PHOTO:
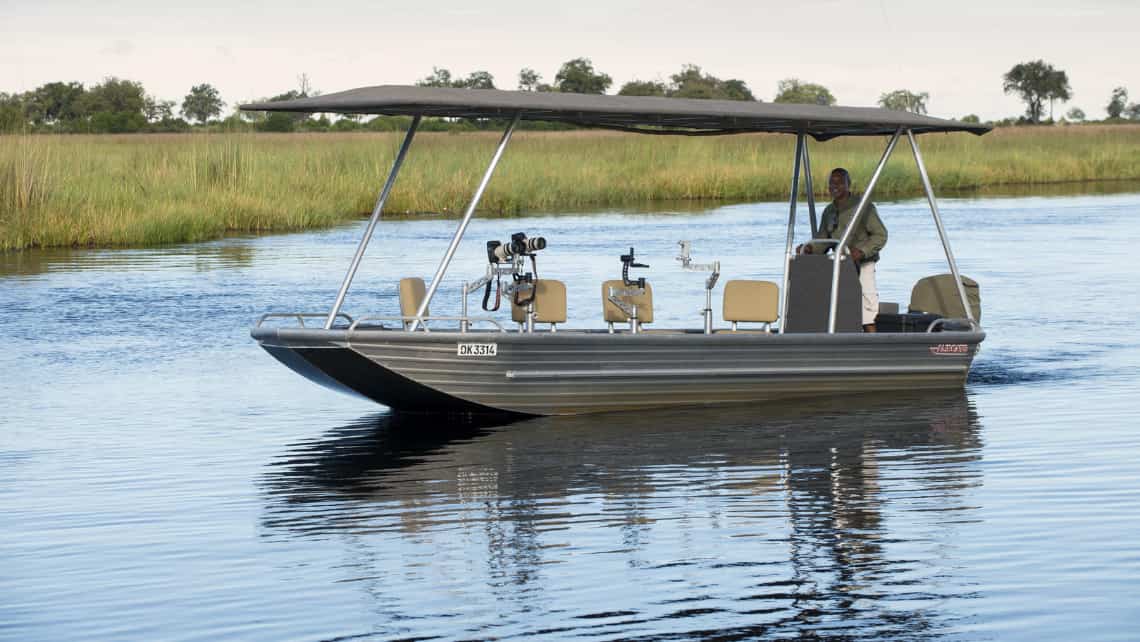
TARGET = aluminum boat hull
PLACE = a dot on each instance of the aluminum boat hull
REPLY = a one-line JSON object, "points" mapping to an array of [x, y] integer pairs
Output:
{"points": [[576, 372]]}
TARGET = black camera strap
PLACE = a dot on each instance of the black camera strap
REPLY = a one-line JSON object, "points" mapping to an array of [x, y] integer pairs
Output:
{"points": [[498, 295], [534, 284]]}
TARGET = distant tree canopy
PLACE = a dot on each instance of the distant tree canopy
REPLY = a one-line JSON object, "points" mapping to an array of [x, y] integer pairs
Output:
{"points": [[578, 76], [202, 103], [794, 90], [157, 111], [118, 105], [905, 100], [55, 102], [1117, 103], [643, 88], [115, 95], [1035, 82], [690, 82], [440, 77], [529, 79], [11, 112]]}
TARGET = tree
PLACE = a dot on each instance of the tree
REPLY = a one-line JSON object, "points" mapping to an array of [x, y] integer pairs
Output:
{"points": [[157, 110], [476, 80], [529, 79], [904, 100], [970, 118], [114, 106], [115, 95], [736, 90], [11, 112], [577, 76], [438, 78], [1036, 82], [1133, 112], [794, 90], [691, 82], [55, 102], [643, 88], [1076, 114], [202, 103], [1117, 103]]}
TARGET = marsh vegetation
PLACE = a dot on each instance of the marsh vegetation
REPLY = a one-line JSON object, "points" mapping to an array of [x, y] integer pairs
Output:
{"points": [[136, 190]]}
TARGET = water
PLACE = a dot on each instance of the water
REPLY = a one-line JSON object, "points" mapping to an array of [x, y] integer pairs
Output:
{"points": [[162, 478]]}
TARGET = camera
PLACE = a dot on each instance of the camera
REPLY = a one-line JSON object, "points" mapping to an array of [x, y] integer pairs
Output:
{"points": [[519, 245]]}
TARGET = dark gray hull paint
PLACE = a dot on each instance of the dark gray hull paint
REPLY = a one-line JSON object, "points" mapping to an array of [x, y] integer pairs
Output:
{"points": [[581, 372]]}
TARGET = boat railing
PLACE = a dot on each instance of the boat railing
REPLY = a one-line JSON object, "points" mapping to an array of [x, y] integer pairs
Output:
{"points": [[404, 320], [300, 317]]}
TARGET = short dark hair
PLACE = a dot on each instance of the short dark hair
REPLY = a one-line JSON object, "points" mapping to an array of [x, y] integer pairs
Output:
{"points": [[844, 173]]}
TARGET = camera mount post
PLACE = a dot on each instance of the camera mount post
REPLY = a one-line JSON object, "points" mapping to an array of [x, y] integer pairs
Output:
{"points": [[509, 259], [710, 282], [634, 288]]}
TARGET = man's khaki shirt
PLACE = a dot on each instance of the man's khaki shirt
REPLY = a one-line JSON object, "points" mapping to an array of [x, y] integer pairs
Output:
{"points": [[870, 236]]}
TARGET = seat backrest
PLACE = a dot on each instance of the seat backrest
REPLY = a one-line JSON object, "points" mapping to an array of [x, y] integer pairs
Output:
{"points": [[751, 301], [412, 293], [614, 314], [549, 303], [938, 295]]}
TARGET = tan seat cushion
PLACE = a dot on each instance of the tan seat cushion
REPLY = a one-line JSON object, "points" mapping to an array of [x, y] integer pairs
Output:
{"points": [[549, 303], [938, 295], [614, 314], [752, 301], [412, 293]]}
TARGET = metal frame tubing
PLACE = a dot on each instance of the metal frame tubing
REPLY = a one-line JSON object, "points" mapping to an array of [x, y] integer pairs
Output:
{"points": [[372, 222], [791, 226], [439, 272], [810, 189], [842, 245], [938, 223]]}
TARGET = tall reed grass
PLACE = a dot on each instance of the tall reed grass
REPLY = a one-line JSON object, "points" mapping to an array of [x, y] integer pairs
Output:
{"points": [[156, 189]]}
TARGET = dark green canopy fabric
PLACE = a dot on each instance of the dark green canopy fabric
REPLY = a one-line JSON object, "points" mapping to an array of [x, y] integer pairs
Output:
{"points": [[647, 114]]}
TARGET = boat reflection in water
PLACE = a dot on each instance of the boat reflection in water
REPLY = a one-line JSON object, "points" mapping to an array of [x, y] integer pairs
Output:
{"points": [[837, 517]]}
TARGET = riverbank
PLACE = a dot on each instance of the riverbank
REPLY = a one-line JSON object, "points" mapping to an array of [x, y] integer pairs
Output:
{"points": [[139, 190]]}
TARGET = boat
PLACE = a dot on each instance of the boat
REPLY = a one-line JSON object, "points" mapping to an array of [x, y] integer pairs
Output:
{"points": [[801, 337]]}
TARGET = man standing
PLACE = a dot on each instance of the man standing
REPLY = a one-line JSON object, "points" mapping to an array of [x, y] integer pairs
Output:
{"points": [[867, 239]]}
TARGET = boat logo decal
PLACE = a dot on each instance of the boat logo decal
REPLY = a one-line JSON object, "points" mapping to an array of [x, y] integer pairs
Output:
{"points": [[477, 350], [950, 348]]}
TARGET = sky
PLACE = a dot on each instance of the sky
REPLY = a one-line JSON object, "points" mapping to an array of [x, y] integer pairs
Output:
{"points": [[957, 52]]}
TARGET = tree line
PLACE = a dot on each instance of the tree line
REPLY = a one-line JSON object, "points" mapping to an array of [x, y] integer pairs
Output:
{"points": [[118, 106]]}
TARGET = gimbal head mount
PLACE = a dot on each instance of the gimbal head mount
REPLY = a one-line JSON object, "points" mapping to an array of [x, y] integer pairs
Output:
{"points": [[628, 261]]}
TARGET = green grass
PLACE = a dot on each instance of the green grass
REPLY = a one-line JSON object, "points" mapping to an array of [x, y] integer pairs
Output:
{"points": [[139, 190]]}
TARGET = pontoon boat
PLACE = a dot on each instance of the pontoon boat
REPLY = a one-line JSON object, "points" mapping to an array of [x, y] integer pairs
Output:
{"points": [[806, 338]]}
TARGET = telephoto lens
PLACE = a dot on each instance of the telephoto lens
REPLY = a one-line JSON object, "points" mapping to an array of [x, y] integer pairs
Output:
{"points": [[501, 253], [536, 243]]}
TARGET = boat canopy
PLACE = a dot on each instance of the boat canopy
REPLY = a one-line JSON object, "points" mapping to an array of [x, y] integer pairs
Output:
{"points": [[643, 114]]}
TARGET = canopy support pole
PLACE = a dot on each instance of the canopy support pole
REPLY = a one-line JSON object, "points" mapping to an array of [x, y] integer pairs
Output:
{"points": [[791, 228], [372, 222], [866, 198], [442, 269], [810, 189], [938, 223]]}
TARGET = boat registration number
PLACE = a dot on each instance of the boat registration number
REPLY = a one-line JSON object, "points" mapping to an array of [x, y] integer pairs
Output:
{"points": [[478, 350]]}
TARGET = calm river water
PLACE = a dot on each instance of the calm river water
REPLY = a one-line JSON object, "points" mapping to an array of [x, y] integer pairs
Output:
{"points": [[161, 478]]}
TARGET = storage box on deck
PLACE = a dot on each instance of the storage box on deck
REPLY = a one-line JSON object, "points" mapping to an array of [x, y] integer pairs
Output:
{"points": [[907, 322]]}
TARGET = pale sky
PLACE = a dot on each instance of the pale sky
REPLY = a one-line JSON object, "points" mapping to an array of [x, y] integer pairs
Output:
{"points": [[956, 51]]}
